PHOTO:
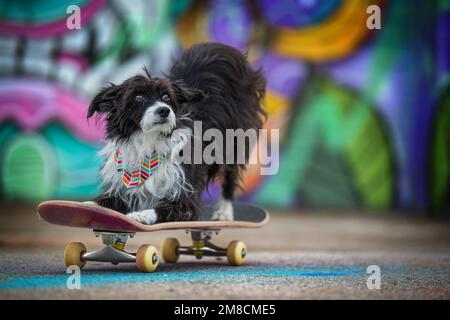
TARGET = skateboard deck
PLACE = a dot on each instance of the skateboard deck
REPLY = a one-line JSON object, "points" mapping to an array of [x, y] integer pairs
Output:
{"points": [[82, 215]]}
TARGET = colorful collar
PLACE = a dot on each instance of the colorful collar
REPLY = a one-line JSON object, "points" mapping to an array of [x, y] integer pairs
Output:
{"points": [[133, 177]]}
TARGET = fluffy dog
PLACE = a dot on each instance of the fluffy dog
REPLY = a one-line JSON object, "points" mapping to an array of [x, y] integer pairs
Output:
{"points": [[211, 83]]}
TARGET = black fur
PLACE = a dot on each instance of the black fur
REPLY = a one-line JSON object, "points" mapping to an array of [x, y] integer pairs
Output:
{"points": [[211, 82]]}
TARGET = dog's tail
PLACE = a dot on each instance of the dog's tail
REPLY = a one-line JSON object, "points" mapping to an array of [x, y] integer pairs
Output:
{"points": [[226, 77]]}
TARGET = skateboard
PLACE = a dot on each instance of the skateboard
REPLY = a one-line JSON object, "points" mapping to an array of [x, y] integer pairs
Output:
{"points": [[116, 228]]}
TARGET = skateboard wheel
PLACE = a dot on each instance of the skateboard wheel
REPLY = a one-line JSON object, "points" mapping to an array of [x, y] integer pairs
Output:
{"points": [[237, 253], [169, 250], [147, 258], [73, 254]]}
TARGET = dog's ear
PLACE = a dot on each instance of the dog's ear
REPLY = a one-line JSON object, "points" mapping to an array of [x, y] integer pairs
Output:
{"points": [[186, 94], [104, 101]]}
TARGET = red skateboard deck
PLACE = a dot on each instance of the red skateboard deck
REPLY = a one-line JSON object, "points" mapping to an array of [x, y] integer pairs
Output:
{"points": [[82, 215]]}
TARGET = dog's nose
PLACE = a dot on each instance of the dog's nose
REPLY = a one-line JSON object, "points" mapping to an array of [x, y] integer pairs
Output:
{"points": [[163, 112]]}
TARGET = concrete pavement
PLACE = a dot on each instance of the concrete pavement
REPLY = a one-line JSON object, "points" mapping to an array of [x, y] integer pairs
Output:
{"points": [[297, 255]]}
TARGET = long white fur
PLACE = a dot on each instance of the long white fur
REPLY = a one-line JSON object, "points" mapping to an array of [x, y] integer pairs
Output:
{"points": [[167, 181], [145, 216]]}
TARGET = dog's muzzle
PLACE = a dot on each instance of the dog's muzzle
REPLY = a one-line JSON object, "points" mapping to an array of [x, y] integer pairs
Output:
{"points": [[158, 117]]}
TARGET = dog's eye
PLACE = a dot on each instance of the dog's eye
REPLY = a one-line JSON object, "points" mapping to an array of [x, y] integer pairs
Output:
{"points": [[165, 98], [139, 98]]}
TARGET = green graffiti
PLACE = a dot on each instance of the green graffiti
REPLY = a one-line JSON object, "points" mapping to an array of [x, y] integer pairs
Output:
{"points": [[77, 164], [444, 5], [29, 168], [439, 161], [337, 123], [47, 164], [7, 131]]}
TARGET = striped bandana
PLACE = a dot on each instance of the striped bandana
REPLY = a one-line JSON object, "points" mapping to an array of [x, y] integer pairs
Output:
{"points": [[132, 177]]}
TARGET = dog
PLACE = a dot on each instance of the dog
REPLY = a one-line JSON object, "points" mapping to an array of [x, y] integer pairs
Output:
{"points": [[147, 117]]}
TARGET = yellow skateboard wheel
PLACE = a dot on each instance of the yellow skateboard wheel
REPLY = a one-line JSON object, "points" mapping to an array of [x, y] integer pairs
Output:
{"points": [[147, 258], [169, 250], [236, 253], [73, 253]]}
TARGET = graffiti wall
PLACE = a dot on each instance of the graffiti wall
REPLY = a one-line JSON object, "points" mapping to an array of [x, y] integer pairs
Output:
{"points": [[364, 115]]}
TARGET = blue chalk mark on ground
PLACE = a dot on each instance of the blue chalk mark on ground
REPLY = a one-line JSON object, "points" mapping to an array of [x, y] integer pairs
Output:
{"points": [[173, 276]]}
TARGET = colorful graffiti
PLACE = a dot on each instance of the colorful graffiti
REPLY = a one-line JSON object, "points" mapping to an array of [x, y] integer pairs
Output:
{"points": [[363, 114]]}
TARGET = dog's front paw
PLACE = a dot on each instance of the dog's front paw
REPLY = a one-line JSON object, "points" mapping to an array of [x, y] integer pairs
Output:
{"points": [[91, 203], [145, 216], [224, 212]]}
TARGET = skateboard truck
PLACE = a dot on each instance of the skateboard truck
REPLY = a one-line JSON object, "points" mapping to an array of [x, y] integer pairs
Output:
{"points": [[113, 251], [146, 258], [201, 246], [236, 251]]}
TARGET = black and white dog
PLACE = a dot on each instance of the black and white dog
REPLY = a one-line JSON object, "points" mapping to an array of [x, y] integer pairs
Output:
{"points": [[147, 117]]}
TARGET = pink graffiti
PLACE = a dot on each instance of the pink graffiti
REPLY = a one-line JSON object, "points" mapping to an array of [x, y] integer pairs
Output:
{"points": [[32, 104]]}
